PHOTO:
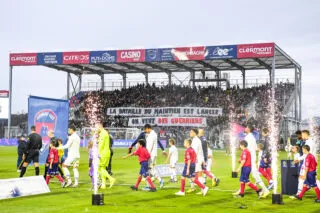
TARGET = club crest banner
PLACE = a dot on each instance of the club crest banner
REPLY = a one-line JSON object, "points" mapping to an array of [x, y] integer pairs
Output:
{"points": [[48, 114]]}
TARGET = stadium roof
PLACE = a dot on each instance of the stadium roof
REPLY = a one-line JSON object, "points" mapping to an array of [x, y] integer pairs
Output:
{"points": [[164, 60]]}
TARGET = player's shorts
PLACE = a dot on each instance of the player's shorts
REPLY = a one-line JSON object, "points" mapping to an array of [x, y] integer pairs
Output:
{"points": [[198, 166], [245, 173], [72, 162], [54, 170], [192, 172], [144, 170], [32, 156], [152, 161], [311, 179]]}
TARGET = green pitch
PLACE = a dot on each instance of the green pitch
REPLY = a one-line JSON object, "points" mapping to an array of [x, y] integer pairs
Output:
{"points": [[120, 198]]}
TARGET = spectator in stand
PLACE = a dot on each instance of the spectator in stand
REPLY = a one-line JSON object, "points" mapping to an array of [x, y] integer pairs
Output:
{"points": [[145, 95]]}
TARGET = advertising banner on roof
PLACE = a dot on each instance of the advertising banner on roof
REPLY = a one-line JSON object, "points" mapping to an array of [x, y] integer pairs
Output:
{"points": [[4, 93], [103, 57], [255, 50], [76, 57], [189, 53], [216, 52], [131, 56], [49, 58], [164, 54], [18, 59]]}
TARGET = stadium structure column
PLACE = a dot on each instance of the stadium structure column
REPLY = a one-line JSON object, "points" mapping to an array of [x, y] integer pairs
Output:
{"points": [[169, 78], [124, 80], [80, 81], [146, 75], [243, 79], [102, 81], [193, 77], [272, 74], [297, 95], [218, 76], [270, 70], [10, 100], [300, 93]]}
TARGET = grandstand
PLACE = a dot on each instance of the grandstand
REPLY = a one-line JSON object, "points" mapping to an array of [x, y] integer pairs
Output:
{"points": [[208, 83]]}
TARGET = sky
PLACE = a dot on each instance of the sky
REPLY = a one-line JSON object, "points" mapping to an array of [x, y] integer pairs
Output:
{"points": [[74, 25]]}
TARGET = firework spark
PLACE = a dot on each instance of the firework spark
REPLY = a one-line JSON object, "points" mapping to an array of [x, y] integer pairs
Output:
{"points": [[273, 126], [93, 109]]}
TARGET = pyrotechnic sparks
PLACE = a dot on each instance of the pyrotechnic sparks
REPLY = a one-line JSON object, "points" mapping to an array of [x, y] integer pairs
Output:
{"points": [[273, 126], [93, 111], [232, 136]]}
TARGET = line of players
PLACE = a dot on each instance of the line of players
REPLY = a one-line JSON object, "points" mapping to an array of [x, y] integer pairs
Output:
{"points": [[54, 159], [195, 160], [306, 159], [198, 158], [55, 156]]}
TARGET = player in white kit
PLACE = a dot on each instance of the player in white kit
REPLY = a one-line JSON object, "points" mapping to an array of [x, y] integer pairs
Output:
{"points": [[197, 146], [73, 146], [152, 147], [173, 157]]}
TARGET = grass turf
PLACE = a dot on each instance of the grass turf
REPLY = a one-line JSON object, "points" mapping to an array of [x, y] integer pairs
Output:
{"points": [[120, 198]]}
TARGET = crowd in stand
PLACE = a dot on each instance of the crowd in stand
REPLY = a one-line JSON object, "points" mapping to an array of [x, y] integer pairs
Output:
{"points": [[233, 101]]}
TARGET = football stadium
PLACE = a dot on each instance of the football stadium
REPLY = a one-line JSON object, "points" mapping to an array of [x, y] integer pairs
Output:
{"points": [[192, 128]]}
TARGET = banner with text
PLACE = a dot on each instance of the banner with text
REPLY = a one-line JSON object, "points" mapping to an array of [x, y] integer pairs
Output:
{"points": [[164, 170], [165, 111], [168, 121]]}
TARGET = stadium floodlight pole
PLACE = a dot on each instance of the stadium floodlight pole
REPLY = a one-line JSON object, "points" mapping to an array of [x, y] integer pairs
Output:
{"points": [[10, 100]]}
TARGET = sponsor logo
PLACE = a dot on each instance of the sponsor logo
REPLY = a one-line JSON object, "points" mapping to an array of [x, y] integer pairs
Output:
{"points": [[166, 55], [152, 54], [23, 59], [130, 55], [76, 58], [221, 51], [102, 57], [50, 58], [215, 52], [4, 93], [189, 53], [255, 50]]}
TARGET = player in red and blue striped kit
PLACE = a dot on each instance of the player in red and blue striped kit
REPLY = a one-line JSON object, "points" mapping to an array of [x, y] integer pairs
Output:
{"points": [[53, 163], [144, 157], [310, 174], [245, 167], [189, 171], [265, 164]]}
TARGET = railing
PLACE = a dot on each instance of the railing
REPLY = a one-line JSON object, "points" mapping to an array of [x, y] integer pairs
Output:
{"points": [[118, 84]]}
